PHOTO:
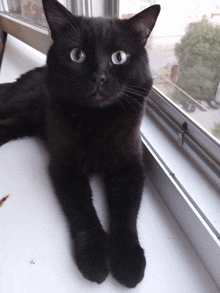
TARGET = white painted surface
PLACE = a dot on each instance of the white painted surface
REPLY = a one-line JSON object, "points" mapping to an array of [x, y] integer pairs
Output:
{"points": [[33, 228], [19, 58]]}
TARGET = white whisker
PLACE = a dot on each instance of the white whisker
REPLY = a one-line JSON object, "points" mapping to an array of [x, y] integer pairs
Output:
{"points": [[132, 101], [137, 88], [135, 92], [121, 104], [126, 100]]}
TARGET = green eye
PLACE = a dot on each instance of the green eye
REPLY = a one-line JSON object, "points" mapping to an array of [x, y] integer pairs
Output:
{"points": [[77, 55], [119, 57]]}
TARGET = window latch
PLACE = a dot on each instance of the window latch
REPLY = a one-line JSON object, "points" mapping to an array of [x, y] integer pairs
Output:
{"points": [[180, 135]]}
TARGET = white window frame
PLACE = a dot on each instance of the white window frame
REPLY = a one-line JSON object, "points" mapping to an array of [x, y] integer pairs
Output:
{"points": [[192, 139]]}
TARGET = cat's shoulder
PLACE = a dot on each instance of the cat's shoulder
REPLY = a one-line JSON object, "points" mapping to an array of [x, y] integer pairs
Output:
{"points": [[36, 74]]}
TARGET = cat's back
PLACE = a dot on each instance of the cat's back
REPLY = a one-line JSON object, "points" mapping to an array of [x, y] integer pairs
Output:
{"points": [[31, 86], [23, 102]]}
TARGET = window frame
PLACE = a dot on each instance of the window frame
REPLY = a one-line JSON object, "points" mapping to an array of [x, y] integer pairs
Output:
{"points": [[194, 140], [33, 35], [197, 227]]}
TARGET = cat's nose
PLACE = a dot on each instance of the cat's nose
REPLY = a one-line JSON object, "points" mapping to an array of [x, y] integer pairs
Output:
{"points": [[100, 79]]}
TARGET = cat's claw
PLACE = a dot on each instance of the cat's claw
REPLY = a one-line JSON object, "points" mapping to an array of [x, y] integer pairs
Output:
{"points": [[127, 264], [90, 255]]}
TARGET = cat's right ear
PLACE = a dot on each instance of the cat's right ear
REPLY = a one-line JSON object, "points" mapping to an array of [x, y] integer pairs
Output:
{"points": [[58, 18]]}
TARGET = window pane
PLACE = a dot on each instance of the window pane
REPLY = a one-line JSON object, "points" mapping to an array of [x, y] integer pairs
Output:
{"points": [[28, 10], [184, 53]]}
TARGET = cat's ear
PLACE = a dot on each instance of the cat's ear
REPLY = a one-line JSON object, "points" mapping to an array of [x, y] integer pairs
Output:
{"points": [[58, 17], [144, 21]]}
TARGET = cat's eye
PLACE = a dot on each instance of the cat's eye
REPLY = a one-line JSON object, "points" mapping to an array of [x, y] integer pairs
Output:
{"points": [[77, 55], [119, 57]]}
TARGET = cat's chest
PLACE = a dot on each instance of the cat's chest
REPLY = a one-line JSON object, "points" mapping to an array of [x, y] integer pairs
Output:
{"points": [[94, 126], [94, 136], [97, 143], [93, 145]]}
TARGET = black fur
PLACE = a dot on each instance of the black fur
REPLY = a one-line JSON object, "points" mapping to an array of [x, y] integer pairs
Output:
{"points": [[89, 114]]}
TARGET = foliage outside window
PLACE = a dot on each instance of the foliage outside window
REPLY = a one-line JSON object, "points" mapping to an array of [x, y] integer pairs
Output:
{"points": [[197, 77], [197, 54]]}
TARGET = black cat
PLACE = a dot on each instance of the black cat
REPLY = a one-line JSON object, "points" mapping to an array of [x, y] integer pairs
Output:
{"points": [[87, 104]]}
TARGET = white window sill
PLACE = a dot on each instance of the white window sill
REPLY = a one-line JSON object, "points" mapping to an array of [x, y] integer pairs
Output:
{"points": [[192, 199], [33, 228]]}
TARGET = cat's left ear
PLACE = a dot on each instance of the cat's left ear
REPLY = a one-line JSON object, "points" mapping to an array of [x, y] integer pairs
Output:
{"points": [[58, 18], [144, 21]]}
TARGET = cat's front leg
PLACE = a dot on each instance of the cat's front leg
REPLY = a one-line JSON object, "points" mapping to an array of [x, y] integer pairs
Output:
{"points": [[90, 240], [126, 256]]}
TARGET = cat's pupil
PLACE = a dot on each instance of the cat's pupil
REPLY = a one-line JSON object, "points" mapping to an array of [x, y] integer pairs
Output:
{"points": [[78, 54], [119, 57]]}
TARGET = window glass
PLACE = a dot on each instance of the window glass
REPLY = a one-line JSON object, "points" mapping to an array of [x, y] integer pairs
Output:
{"points": [[184, 53], [27, 10]]}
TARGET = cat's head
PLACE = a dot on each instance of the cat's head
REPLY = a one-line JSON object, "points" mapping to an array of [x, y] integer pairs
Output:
{"points": [[96, 62]]}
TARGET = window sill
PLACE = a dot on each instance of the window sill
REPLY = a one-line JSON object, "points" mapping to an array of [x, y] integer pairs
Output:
{"points": [[35, 249], [192, 199]]}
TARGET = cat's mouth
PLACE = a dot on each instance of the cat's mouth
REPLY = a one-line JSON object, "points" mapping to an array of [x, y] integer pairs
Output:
{"points": [[100, 98]]}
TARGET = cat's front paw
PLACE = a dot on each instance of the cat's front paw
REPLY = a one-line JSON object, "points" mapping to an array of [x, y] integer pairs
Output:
{"points": [[127, 263], [91, 254]]}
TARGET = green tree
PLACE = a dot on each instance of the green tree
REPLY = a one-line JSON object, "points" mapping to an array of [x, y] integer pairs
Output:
{"points": [[198, 55], [216, 131]]}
